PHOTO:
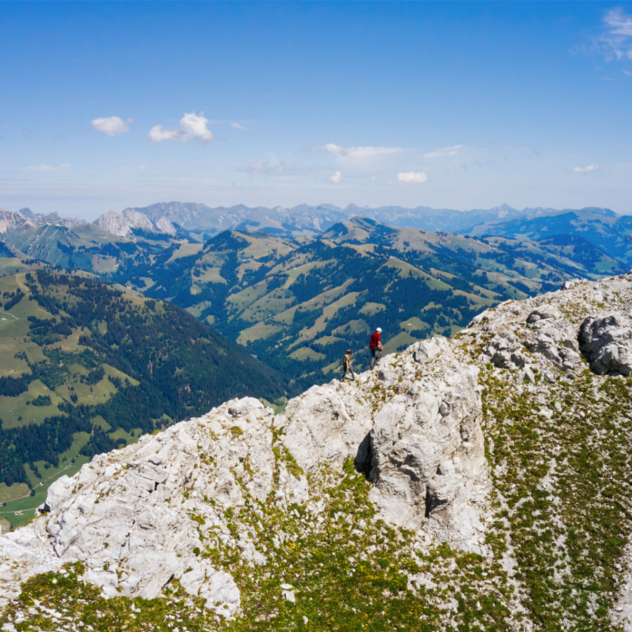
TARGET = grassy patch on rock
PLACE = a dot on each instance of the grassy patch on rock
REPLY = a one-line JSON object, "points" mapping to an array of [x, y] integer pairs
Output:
{"points": [[559, 456]]}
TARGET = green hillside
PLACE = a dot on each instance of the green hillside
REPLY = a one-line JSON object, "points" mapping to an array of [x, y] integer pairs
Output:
{"points": [[298, 304], [86, 367]]}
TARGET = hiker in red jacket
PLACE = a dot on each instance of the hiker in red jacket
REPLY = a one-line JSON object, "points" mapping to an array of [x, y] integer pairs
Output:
{"points": [[376, 347]]}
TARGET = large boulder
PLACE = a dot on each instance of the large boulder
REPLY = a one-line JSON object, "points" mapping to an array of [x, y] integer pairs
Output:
{"points": [[606, 342], [504, 351]]}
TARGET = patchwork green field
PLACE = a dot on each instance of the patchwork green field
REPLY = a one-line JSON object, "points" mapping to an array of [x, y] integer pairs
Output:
{"points": [[86, 368]]}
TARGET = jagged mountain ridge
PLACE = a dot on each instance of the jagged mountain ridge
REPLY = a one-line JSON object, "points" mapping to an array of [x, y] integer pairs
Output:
{"points": [[203, 221], [25, 218], [496, 497]]}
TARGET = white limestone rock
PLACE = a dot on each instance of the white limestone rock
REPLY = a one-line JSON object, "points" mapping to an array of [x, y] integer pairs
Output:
{"points": [[122, 223], [428, 464], [132, 516], [606, 341], [327, 423], [413, 425], [504, 351]]}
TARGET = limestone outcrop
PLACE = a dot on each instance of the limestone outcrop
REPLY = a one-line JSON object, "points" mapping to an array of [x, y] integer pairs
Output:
{"points": [[133, 515], [606, 341], [428, 458]]}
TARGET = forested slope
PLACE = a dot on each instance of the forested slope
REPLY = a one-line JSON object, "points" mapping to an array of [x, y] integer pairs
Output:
{"points": [[87, 367]]}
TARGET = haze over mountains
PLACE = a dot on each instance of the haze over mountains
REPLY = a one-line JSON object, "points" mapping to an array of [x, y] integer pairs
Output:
{"points": [[202, 221]]}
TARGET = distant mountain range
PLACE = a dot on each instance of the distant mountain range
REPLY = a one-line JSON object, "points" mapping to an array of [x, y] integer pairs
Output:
{"points": [[198, 222], [202, 221], [28, 232]]}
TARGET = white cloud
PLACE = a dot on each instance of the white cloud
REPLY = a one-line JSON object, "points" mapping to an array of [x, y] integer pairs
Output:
{"points": [[44, 167], [616, 42], [587, 169], [445, 152], [111, 125], [412, 177], [192, 127], [336, 177], [619, 22], [357, 152], [239, 126]]}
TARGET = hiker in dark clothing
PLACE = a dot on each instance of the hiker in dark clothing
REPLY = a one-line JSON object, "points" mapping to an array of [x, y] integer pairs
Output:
{"points": [[375, 345], [346, 365]]}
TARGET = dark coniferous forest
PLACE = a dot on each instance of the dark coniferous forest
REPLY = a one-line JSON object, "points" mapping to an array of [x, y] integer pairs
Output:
{"points": [[151, 364]]}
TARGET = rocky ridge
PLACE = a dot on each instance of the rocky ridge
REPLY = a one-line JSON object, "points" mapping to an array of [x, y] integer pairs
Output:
{"points": [[27, 219], [122, 224], [483, 480]]}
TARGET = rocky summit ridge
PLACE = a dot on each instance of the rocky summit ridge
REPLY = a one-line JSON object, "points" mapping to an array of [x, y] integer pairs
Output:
{"points": [[476, 483]]}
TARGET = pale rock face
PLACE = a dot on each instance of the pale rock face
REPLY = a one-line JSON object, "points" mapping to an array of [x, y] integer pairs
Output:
{"points": [[422, 445], [504, 352], [327, 423], [607, 343], [12, 221], [128, 514], [428, 463], [114, 223], [121, 224], [165, 226]]}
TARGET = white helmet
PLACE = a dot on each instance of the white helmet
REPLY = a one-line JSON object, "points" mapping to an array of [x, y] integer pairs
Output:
{"points": [[379, 330]]}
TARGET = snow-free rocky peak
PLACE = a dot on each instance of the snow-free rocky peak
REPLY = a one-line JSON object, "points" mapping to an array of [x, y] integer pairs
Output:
{"points": [[495, 468]]}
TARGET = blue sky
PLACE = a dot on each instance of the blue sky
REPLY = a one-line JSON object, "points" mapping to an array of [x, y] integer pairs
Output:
{"points": [[447, 104]]}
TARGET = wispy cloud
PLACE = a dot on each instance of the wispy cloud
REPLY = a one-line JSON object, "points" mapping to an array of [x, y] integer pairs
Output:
{"points": [[238, 126], [412, 177], [111, 125], [616, 41], [445, 152], [587, 169], [45, 167], [356, 152], [336, 177], [192, 127]]}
